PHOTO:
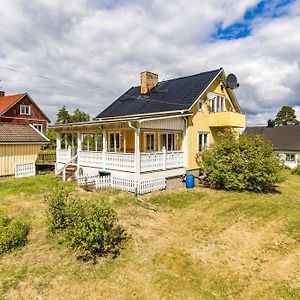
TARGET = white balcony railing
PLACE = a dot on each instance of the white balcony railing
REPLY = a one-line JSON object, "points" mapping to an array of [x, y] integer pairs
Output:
{"points": [[126, 161]]}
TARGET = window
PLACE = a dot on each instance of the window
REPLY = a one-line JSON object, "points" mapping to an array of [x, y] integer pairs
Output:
{"points": [[217, 104], [200, 105], [203, 141], [24, 109], [167, 141], [114, 142], [39, 127], [149, 141], [99, 142], [290, 157]]}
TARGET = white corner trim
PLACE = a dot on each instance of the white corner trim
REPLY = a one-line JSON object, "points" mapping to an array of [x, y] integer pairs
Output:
{"points": [[39, 132]]}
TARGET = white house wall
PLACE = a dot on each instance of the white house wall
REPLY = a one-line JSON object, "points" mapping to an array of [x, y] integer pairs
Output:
{"points": [[168, 124], [290, 164]]}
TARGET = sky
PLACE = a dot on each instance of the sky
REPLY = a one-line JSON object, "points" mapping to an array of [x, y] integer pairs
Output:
{"points": [[86, 53]]}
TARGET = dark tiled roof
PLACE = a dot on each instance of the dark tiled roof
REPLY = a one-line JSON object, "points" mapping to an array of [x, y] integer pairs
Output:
{"points": [[283, 137], [11, 133], [175, 94]]}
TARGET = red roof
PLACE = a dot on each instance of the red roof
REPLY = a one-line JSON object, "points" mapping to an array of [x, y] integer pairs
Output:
{"points": [[8, 101]]}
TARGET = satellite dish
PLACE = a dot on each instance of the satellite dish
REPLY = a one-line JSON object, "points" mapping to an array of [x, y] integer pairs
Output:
{"points": [[231, 82], [211, 95]]}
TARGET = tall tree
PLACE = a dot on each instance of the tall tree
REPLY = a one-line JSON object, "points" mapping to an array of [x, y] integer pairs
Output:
{"points": [[63, 116], [79, 116], [286, 116]]}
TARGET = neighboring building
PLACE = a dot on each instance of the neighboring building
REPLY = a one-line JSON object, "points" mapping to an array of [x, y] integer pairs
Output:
{"points": [[286, 140], [19, 145], [153, 131], [21, 109]]}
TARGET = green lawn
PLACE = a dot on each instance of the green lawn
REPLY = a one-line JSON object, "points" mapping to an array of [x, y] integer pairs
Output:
{"points": [[200, 244]]}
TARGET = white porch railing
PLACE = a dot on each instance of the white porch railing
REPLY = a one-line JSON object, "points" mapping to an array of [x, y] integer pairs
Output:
{"points": [[120, 161], [151, 161], [63, 155], [174, 159], [90, 159]]}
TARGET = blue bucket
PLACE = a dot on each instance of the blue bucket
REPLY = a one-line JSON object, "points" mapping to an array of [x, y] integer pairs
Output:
{"points": [[189, 181]]}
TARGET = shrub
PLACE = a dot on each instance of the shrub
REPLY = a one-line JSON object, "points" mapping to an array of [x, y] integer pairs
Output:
{"points": [[13, 233], [296, 171], [93, 231], [90, 229], [58, 202], [241, 163]]}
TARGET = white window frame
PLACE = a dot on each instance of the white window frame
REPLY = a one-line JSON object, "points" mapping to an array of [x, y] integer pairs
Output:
{"points": [[37, 126], [145, 141], [290, 155], [218, 103], [202, 133], [115, 148], [173, 145], [25, 106]]}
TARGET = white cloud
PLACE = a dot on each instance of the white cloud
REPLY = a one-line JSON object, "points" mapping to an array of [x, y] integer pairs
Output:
{"points": [[93, 51]]}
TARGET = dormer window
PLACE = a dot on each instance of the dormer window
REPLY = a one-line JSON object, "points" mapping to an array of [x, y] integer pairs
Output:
{"points": [[24, 109]]}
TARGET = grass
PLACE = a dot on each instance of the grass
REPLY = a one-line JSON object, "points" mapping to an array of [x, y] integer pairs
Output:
{"points": [[200, 244]]}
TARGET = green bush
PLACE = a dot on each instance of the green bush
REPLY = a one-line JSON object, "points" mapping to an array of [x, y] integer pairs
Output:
{"points": [[93, 231], [90, 229], [58, 203], [13, 233], [296, 171], [241, 163]]}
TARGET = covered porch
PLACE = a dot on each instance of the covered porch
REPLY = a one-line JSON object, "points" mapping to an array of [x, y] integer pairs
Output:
{"points": [[124, 146]]}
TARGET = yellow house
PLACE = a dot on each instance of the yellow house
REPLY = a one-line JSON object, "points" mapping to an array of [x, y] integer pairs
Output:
{"points": [[19, 148], [152, 132]]}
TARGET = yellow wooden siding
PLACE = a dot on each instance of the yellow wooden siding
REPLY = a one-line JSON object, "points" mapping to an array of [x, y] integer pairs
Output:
{"points": [[201, 121], [12, 154]]}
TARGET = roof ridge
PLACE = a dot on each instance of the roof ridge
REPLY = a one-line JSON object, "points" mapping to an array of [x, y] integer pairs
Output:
{"points": [[177, 78], [12, 95]]}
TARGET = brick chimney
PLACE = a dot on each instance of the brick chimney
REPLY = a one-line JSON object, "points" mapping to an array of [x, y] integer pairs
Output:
{"points": [[2, 93], [148, 81]]}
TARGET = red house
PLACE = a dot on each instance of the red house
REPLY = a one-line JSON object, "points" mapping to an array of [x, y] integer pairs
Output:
{"points": [[21, 109]]}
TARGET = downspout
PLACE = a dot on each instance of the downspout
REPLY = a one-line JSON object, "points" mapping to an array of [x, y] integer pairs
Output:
{"points": [[137, 172], [185, 141]]}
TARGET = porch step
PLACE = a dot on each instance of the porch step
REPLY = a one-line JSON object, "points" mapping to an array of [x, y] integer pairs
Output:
{"points": [[70, 173]]}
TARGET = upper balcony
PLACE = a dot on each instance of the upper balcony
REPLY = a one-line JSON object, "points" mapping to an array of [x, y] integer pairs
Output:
{"points": [[227, 119]]}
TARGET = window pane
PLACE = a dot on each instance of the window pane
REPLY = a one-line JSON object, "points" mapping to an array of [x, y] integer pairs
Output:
{"points": [[200, 142], [150, 142], [213, 105], [111, 142], [99, 142], [117, 141], [163, 141]]}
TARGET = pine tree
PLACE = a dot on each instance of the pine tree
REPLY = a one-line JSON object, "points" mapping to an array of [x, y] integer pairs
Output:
{"points": [[79, 116], [63, 116], [286, 116]]}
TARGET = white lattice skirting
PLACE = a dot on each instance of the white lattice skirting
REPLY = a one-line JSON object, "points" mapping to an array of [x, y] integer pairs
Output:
{"points": [[122, 183], [25, 170]]}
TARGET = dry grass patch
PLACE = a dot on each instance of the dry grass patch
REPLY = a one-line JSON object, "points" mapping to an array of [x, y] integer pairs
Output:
{"points": [[203, 245]]}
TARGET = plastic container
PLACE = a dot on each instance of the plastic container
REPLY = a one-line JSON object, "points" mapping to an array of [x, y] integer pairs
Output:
{"points": [[189, 181]]}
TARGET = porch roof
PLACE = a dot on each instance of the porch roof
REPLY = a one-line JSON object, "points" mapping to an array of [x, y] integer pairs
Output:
{"points": [[101, 122]]}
